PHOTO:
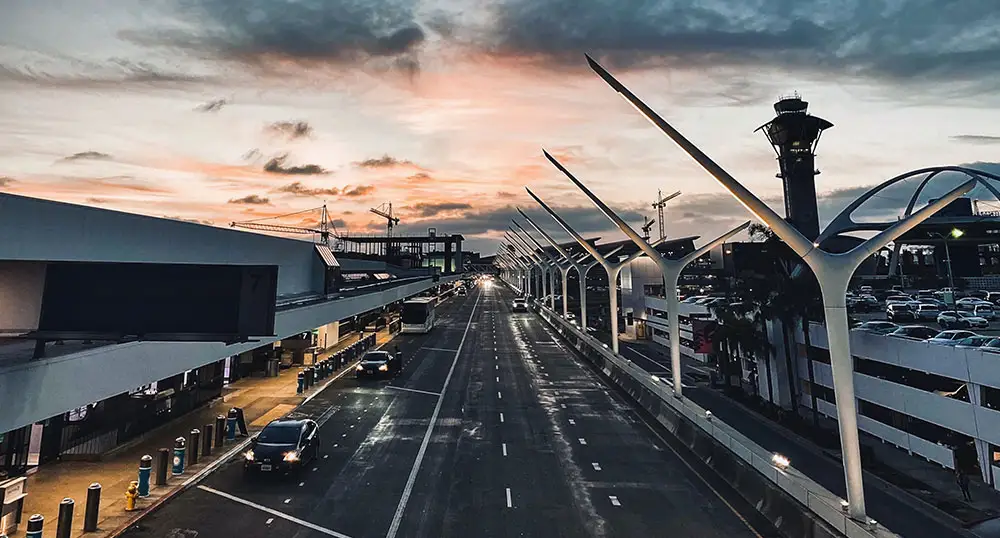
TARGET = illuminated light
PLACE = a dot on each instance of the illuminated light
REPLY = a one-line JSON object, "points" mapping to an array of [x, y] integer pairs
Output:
{"points": [[360, 368], [844, 505], [956, 233], [779, 461], [708, 415], [655, 378], [383, 368], [249, 455], [291, 456]]}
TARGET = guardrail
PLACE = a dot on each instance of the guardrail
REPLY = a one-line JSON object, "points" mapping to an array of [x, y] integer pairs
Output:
{"points": [[823, 504]]}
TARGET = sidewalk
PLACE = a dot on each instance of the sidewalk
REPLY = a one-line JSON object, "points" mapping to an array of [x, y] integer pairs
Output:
{"points": [[262, 400]]}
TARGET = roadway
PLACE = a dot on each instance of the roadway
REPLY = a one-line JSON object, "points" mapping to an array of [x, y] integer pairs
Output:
{"points": [[492, 429], [885, 503]]}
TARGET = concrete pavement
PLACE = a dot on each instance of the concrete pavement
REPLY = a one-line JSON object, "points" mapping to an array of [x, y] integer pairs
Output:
{"points": [[493, 428]]}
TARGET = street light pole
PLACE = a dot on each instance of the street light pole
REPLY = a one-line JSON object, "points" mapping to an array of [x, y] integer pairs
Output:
{"points": [[955, 233], [530, 255], [612, 268], [671, 269], [833, 272], [552, 260], [580, 269], [545, 277]]}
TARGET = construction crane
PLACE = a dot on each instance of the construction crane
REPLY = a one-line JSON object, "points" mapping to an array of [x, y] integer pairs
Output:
{"points": [[322, 233], [646, 225], [659, 205], [385, 211]]}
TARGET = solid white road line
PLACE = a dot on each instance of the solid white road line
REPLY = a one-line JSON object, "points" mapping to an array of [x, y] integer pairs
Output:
{"points": [[614, 500], [317, 528], [504, 446], [413, 390], [408, 489], [509, 503], [501, 417]]}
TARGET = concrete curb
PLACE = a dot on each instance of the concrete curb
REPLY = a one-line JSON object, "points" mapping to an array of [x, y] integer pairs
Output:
{"points": [[219, 462]]}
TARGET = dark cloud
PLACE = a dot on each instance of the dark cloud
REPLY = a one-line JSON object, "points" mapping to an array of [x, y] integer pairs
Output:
{"points": [[212, 106], [97, 200], [306, 31], [298, 189], [89, 156], [252, 199], [420, 177], [357, 192], [904, 40], [431, 209], [292, 130], [977, 139], [505, 194], [6, 181], [338, 223], [277, 166], [385, 161]]}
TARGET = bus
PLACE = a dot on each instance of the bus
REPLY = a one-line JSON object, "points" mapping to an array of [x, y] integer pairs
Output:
{"points": [[418, 315]]}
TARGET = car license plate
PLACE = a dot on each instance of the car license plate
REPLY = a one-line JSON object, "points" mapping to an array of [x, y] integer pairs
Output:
{"points": [[265, 467], [371, 371]]}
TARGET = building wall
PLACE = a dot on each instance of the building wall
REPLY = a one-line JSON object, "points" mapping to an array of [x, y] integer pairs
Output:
{"points": [[21, 285], [978, 371], [634, 277], [43, 388], [32, 229]]}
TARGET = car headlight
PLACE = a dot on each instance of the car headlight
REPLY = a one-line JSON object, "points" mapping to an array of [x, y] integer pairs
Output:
{"points": [[360, 368], [249, 455], [383, 368], [291, 456]]}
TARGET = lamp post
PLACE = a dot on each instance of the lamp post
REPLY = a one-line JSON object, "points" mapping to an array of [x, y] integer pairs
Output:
{"points": [[571, 263], [534, 259], [832, 270], [612, 268], [671, 269], [553, 263], [522, 271], [954, 233]]}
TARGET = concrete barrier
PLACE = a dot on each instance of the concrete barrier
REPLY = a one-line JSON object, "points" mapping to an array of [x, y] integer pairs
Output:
{"points": [[795, 504]]}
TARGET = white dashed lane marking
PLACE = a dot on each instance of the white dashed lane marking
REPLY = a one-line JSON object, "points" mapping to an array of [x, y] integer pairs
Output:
{"points": [[504, 446], [501, 417], [614, 500], [597, 466], [582, 441], [509, 503]]}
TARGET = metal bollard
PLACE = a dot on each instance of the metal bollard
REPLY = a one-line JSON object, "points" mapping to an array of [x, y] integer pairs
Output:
{"points": [[179, 449], [220, 430], [301, 387], [35, 524], [64, 525], [145, 469], [231, 425], [194, 442], [206, 442], [92, 509], [162, 464], [310, 377]]}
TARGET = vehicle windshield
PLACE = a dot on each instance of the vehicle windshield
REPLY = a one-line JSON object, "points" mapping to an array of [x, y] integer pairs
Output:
{"points": [[283, 434], [414, 313], [380, 356]]}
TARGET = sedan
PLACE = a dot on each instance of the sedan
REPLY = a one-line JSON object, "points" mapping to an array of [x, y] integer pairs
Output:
{"points": [[913, 332], [974, 341], [283, 445], [949, 338], [378, 363], [878, 327], [958, 318]]}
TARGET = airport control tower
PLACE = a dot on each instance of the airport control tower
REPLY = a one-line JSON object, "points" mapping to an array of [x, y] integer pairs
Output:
{"points": [[794, 135]]}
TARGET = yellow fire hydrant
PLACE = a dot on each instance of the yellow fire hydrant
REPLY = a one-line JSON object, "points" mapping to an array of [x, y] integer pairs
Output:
{"points": [[130, 495]]}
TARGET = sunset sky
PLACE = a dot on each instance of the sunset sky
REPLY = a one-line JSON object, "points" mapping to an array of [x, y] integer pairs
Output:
{"points": [[221, 110]]}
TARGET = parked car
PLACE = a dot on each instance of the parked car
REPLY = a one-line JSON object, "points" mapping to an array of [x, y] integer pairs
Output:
{"points": [[993, 346], [985, 311], [949, 337], [900, 311], [957, 318], [974, 341], [914, 332], [878, 327], [927, 311]]}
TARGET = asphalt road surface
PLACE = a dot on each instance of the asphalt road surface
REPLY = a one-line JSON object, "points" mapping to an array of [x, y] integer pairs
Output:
{"points": [[492, 429]]}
